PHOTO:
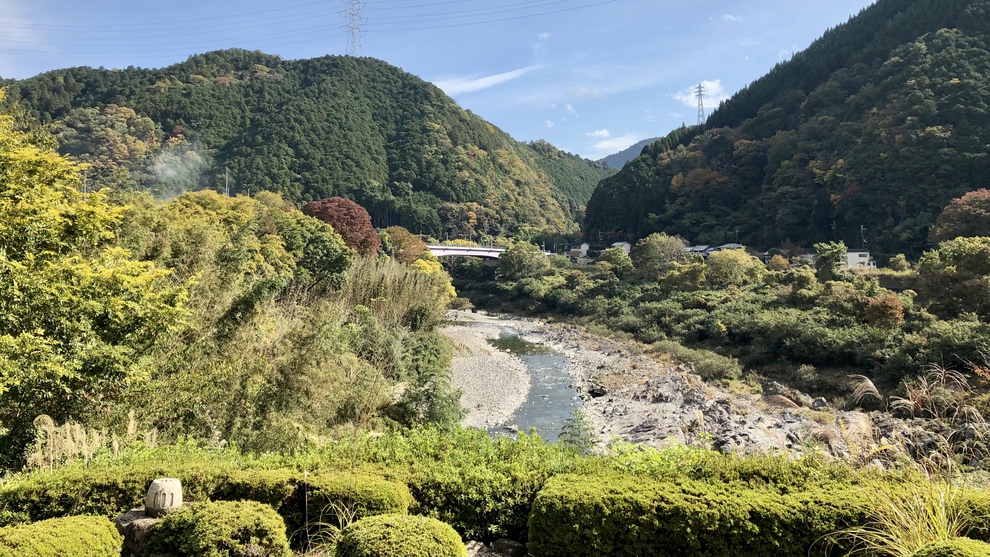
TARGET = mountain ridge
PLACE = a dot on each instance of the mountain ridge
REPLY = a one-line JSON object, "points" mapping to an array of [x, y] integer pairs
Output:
{"points": [[831, 145], [335, 125]]}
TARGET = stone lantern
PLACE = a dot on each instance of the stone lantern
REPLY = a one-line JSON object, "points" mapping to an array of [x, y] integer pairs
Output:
{"points": [[164, 496]]}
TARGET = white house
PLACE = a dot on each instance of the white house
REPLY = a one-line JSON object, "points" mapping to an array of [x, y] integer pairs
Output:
{"points": [[626, 246], [859, 258], [580, 251]]}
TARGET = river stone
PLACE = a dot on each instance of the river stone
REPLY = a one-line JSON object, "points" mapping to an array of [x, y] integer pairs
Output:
{"points": [[164, 496]]}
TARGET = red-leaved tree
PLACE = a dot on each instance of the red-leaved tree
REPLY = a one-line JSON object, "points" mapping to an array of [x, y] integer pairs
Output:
{"points": [[349, 219], [968, 215]]}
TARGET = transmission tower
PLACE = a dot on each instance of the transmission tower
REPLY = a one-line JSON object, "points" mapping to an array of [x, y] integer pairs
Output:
{"points": [[354, 26], [700, 91]]}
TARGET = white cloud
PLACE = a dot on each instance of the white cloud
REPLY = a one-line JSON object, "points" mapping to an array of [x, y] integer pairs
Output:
{"points": [[569, 108], [543, 36], [548, 123], [470, 83], [715, 93], [730, 17], [598, 134], [606, 147]]}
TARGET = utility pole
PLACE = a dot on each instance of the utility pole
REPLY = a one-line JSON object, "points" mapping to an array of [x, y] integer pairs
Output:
{"points": [[226, 182], [862, 235], [700, 92]]}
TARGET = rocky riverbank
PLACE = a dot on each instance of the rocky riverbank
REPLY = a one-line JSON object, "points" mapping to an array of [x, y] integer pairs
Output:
{"points": [[628, 395]]}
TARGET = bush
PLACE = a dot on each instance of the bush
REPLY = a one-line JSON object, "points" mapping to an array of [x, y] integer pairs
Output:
{"points": [[74, 536], [400, 536], [274, 488], [629, 515], [99, 491], [956, 547], [338, 500], [709, 365], [223, 528], [113, 490]]}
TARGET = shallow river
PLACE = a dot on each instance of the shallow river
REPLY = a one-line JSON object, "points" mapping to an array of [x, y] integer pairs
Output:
{"points": [[552, 398]]}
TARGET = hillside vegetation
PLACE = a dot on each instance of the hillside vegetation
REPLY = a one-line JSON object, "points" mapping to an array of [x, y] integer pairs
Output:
{"points": [[308, 129], [234, 319], [865, 135]]}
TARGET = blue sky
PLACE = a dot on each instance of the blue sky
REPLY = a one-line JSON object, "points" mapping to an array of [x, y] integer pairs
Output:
{"points": [[590, 76]]}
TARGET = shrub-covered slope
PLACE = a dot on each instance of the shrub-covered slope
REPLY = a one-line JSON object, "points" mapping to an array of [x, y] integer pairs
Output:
{"points": [[874, 128], [308, 129]]}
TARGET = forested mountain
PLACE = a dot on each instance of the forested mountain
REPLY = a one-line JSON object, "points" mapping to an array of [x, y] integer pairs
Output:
{"points": [[868, 133], [617, 160], [309, 129]]}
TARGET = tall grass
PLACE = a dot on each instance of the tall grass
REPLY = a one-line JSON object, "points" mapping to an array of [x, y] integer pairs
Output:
{"points": [[903, 521], [397, 294]]}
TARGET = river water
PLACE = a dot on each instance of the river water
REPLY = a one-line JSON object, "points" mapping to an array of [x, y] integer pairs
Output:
{"points": [[552, 398]]}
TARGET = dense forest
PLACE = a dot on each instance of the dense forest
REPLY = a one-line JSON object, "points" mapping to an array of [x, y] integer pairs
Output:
{"points": [[309, 129], [863, 138]]}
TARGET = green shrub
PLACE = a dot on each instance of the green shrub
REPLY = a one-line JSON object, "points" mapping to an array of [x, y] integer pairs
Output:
{"points": [[100, 491], [630, 515], [400, 536], [340, 499], [956, 547], [74, 536], [709, 365], [274, 488], [222, 528]]}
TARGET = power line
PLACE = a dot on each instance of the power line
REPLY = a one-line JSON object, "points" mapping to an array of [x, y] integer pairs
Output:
{"points": [[406, 24]]}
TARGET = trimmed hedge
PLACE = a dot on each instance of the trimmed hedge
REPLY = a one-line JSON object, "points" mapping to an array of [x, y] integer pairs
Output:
{"points": [[74, 536], [629, 516], [400, 536], [220, 529], [356, 497], [98, 491], [956, 547], [111, 491]]}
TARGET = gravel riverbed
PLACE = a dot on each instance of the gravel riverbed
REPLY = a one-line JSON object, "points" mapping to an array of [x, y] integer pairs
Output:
{"points": [[493, 383], [628, 395]]}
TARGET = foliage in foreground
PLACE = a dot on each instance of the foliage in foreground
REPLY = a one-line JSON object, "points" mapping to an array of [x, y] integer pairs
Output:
{"points": [[560, 499], [399, 536], [74, 536], [236, 307], [223, 528]]}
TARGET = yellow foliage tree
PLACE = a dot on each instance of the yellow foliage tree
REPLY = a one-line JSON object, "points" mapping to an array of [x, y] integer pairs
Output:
{"points": [[76, 313]]}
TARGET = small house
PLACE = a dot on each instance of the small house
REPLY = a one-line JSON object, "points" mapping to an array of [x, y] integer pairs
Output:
{"points": [[859, 259], [626, 246], [580, 251]]}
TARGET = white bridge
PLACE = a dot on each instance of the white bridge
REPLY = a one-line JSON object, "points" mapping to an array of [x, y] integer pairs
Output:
{"points": [[468, 251]]}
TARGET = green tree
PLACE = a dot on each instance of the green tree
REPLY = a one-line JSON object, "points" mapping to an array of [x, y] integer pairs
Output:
{"points": [[77, 314], [828, 257], [618, 260], [522, 260], [955, 278], [734, 267], [899, 263], [653, 255]]}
